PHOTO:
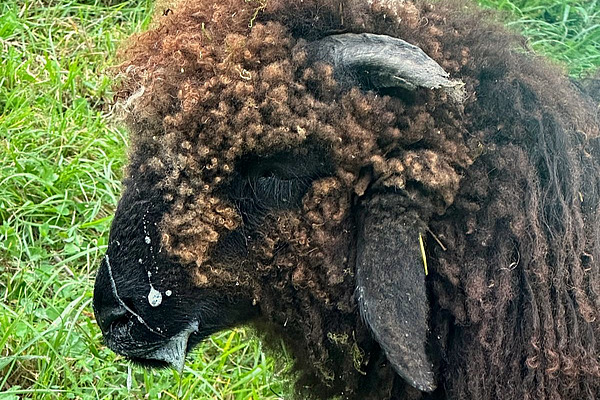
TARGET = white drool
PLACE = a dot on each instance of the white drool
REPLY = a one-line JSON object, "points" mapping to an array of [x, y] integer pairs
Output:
{"points": [[154, 297]]}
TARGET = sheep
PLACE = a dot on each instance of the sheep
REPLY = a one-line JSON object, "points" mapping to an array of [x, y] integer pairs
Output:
{"points": [[399, 190]]}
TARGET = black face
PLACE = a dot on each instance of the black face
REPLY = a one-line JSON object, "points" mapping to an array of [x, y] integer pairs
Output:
{"points": [[145, 302]]}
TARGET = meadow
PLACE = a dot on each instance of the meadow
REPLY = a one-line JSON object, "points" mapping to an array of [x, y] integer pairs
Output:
{"points": [[62, 152]]}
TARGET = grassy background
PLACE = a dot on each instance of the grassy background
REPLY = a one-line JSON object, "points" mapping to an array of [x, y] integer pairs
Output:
{"points": [[61, 158]]}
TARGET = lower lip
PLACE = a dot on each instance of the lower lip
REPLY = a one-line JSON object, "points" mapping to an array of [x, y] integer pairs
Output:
{"points": [[148, 363]]}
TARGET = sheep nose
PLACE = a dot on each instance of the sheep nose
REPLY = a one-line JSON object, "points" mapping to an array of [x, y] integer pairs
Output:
{"points": [[107, 307]]}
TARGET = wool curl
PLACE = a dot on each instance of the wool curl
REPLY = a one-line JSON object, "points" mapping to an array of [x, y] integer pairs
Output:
{"points": [[510, 176]]}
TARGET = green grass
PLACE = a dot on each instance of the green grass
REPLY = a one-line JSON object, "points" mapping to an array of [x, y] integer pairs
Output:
{"points": [[61, 157], [568, 31]]}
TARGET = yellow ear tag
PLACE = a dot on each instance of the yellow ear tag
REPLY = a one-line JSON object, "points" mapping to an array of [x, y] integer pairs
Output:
{"points": [[422, 245]]}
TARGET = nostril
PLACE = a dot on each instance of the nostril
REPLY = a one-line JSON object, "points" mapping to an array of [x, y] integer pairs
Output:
{"points": [[113, 316], [110, 308]]}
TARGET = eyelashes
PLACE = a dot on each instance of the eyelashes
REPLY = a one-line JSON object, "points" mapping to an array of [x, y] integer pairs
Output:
{"points": [[256, 195], [260, 185], [259, 195], [277, 193]]}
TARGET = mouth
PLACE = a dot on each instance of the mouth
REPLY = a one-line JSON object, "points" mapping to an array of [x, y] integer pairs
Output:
{"points": [[171, 353], [175, 349]]}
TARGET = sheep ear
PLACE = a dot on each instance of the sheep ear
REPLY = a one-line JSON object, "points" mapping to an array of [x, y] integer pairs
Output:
{"points": [[380, 61], [391, 289]]}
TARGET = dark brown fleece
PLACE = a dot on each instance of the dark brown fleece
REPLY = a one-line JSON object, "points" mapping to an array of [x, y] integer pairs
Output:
{"points": [[511, 176]]}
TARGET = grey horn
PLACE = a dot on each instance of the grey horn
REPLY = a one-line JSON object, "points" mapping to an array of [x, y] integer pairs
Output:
{"points": [[380, 61]]}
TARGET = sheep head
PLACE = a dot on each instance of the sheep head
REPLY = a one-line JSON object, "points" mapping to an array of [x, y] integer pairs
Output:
{"points": [[282, 180]]}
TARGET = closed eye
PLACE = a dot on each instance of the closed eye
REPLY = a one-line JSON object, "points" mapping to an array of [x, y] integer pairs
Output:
{"points": [[279, 193], [278, 182]]}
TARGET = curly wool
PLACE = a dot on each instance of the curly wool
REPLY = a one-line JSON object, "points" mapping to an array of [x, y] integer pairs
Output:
{"points": [[509, 175]]}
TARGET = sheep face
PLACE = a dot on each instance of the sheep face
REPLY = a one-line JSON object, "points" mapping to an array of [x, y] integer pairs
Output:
{"points": [[137, 281]]}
